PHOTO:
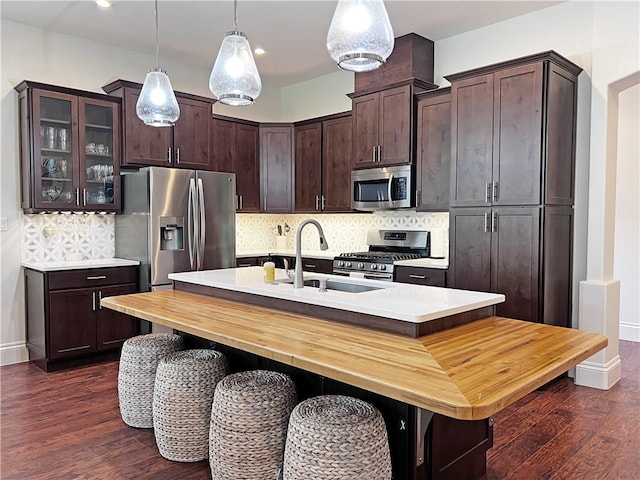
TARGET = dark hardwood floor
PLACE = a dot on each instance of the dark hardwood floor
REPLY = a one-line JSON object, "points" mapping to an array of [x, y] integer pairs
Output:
{"points": [[66, 425]]}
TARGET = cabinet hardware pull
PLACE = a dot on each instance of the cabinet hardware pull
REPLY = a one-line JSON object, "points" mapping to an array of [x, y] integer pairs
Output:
{"points": [[373, 154], [487, 192], [486, 221], [379, 153], [99, 299], [309, 265], [84, 197], [317, 202], [245, 265], [420, 277], [78, 197], [93, 301], [169, 155], [97, 277], [178, 155], [494, 222], [495, 191], [73, 348], [237, 202], [240, 202], [322, 205]]}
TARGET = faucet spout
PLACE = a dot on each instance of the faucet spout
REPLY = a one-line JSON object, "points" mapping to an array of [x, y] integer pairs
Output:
{"points": [[298, 281]]}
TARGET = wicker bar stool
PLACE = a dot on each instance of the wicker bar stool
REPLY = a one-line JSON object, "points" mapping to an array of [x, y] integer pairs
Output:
{"points": [[137, 375], [335, 437], [249, 420], [185, 382]]}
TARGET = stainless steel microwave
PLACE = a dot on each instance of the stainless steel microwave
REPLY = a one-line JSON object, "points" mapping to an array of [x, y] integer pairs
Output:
{"points": [[382, 188]]}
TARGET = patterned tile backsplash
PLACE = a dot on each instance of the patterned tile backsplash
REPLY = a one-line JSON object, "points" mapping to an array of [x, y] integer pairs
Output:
{"points": [[51, 237]]}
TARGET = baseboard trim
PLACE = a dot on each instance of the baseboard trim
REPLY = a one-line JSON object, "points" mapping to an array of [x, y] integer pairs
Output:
{"points": [[597, 375], [15, 352], [630, 331]]}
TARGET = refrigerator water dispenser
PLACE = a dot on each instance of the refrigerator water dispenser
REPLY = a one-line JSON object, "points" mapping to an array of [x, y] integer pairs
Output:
{"points": [[171, 233]]}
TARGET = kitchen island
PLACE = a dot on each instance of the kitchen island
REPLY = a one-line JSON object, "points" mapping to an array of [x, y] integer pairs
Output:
{"points": [[466, 373]]}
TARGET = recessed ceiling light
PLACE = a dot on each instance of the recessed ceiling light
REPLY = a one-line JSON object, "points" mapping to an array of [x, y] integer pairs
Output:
{"points": [[259, 51], [104, 3]]}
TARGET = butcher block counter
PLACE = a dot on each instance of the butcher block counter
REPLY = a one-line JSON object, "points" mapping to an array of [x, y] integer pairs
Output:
{"points": [[467, 372]]}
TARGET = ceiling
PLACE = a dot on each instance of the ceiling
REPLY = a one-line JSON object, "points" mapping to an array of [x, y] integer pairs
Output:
{"points": [[292, 32]]}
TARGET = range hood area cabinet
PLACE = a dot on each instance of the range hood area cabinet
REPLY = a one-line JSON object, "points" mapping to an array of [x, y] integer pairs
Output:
{"points": [[276, 167], [512, 184], [234, 148], [185, 145], [69, 149], [323, 164]]}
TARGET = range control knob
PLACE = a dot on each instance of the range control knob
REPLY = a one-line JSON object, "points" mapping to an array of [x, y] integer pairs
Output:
{"points": [[383, 267], [348, 264], [341, 263], [361, 265], [374, 266]]}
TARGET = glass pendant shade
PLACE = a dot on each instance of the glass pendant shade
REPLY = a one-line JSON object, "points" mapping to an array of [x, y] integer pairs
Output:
{"points": [[157, 105], [234, 78], [360, 36]]}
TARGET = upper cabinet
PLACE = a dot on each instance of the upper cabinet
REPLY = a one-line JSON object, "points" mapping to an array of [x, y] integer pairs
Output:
{"points": [[235, 149], [433, 155], [323, 164], [276, 168], [70, 149], [185, 145], [513, 133]]}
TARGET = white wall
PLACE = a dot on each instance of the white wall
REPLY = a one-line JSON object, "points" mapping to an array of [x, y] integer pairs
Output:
{"points": [[626, 264], [317, 97]]}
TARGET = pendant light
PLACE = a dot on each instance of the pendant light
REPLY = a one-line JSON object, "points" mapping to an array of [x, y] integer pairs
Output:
{"points": [[360, 36], [234, 78], [157, 105]]}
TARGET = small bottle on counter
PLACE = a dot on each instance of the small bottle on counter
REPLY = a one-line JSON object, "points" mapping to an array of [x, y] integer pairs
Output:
{"points": [[269, 272]]}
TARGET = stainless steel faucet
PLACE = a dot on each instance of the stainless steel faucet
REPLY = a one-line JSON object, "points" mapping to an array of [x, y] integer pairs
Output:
{"points": [[298, 280]]}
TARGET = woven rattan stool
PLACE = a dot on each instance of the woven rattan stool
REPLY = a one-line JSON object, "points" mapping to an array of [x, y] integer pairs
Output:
{"points": [[334, 437], [249, 420], [137, 375], [185, 382]]}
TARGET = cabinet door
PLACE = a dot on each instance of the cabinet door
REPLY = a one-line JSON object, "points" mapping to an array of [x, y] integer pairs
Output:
{"points": [[433, 158], [55, 151], [514, 257], [470, 249], [99, 154], [276, 169], [337, 148], [113, 328], [72, 322], [248, 168], [223, 145], [472, 141], [517, 133], [143, 145], [308, 167], [191, 135], [394, 134], [365, 130]]}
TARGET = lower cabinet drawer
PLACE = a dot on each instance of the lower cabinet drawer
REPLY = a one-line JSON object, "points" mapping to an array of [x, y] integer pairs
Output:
{"points": [[420, 276]]}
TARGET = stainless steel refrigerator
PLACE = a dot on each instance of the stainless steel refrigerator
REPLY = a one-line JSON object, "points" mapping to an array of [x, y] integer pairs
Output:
{"points": [[176, 220]]}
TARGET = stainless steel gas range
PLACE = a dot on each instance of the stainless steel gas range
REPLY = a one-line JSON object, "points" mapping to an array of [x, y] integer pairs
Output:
{"points": [[385, 248]]}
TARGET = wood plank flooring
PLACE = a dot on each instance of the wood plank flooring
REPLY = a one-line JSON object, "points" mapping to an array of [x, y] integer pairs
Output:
{"points": [[66, 425]]}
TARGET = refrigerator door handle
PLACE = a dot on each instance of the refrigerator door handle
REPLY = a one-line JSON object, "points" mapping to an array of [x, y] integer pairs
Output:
{"points": [[203, 224], [192, 226]]}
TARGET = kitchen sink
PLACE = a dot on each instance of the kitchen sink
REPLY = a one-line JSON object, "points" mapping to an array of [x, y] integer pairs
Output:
{"points": [[337, 285]]}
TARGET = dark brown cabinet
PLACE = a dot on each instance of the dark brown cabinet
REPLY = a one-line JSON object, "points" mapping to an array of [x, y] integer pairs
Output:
{"points": [[185, 145], [383, 127], [235, 149], [276, 168], [433, 152], [420, 276], [323, 164], [66, 324], [70, 149], [513, 133]]}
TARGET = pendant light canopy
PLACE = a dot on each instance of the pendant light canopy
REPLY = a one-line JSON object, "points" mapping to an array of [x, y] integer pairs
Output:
{"points": [[157, 105], [234, 78], [360, 36]]}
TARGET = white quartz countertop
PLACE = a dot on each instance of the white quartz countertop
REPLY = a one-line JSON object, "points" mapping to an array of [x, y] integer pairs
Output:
{"points": [[79, 264], [400, 301]]}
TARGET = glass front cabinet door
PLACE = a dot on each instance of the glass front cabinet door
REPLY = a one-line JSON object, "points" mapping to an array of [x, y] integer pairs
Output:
{"points": [[70, 147]]}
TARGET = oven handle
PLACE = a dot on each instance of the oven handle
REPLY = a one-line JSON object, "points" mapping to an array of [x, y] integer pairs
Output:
{"points": [[367, 275]]}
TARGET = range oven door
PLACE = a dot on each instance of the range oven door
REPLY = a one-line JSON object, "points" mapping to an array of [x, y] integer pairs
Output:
{"points": [[381, 188]]}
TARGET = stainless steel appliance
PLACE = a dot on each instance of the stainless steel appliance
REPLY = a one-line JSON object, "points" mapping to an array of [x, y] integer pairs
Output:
{"points": [[385, 247], [382, 188], [176, 220]]}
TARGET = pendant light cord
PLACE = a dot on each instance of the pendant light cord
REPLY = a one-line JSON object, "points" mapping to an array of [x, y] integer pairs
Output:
{"points": [[157, 39], [235, 15]]}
